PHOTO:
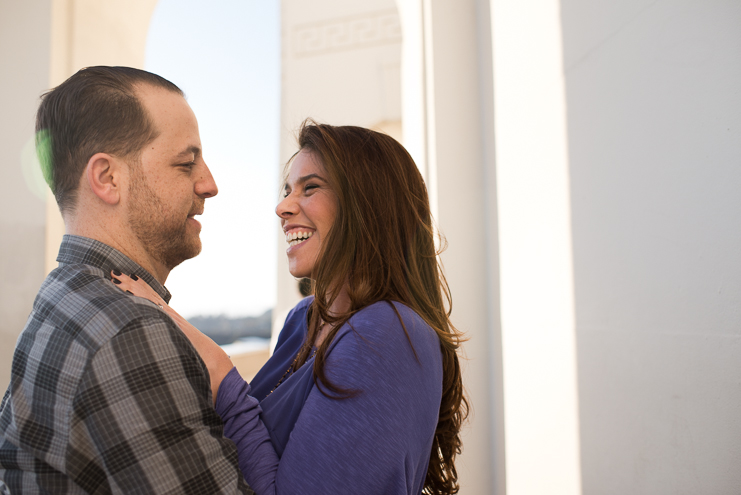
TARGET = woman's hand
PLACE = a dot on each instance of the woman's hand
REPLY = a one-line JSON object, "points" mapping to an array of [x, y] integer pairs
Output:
{"points": [[217, 362]]}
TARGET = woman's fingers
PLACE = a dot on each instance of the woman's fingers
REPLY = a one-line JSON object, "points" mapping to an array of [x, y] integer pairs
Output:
{"points": [[217, 361], [136, 286]]}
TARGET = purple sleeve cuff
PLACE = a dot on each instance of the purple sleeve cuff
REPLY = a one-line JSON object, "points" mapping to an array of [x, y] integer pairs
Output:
{"points": [[232, 387], [240, 413]]}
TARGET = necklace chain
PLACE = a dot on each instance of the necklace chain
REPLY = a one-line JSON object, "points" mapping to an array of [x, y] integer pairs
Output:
{"points": [[292, 368], [294, 364]]}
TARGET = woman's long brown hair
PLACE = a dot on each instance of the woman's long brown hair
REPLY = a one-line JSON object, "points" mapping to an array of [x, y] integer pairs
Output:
{"points": [[382, 244]]}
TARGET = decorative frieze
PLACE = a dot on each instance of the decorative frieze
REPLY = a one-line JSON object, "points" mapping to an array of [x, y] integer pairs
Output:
{"points": [[347, 33]]}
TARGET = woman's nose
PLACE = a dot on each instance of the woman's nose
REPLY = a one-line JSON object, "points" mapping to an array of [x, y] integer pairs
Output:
{"points": [[287, 207]]}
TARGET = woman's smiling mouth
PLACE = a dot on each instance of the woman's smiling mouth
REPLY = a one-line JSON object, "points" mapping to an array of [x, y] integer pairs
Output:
{"points": [[297, 237]]}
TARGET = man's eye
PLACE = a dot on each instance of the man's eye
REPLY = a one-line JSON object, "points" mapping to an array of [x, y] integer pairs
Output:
{"points": [[188, 165]]}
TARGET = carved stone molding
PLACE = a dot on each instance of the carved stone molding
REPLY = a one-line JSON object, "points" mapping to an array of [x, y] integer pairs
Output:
{"points": [[347, 33]]}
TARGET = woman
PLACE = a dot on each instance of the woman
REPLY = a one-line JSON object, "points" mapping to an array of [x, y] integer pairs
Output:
{"points": [[363, 393]]}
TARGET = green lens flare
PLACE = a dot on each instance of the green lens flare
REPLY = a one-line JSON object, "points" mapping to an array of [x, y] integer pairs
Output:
{"points": [[32, 171], [43, 152]]}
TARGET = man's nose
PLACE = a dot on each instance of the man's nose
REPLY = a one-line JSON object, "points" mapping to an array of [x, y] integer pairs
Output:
{"points": [[205, 186]]}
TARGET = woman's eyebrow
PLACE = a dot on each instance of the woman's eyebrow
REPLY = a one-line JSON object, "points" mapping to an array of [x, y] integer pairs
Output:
{"points": [[303, 179]]}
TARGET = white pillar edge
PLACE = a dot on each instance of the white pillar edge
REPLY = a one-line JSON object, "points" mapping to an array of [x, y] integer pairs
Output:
{"points": [[537, 294]]}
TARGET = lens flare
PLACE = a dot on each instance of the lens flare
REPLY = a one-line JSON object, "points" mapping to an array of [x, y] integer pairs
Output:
{"points": [[43, 152], [34, 174]]}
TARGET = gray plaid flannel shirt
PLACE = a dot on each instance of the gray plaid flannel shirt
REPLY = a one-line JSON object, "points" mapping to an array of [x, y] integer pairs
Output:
{"points": [[106, 394]]}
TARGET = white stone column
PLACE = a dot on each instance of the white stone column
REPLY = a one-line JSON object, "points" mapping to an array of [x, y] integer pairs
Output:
{"points": [[537, 295], [448, 128]]}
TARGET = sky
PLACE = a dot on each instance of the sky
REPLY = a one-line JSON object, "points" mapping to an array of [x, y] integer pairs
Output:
{"points": [[225, 56]]}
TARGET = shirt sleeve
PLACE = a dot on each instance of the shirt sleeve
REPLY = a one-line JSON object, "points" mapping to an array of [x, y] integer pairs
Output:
{"points": [[143, 422], [242, 424], [375, 441]]}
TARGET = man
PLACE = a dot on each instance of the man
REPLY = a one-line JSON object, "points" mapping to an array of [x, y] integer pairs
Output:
{"points": [[106, 394]]}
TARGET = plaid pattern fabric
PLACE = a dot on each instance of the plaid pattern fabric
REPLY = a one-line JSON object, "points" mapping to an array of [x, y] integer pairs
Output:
{"points": [[106, 394]]}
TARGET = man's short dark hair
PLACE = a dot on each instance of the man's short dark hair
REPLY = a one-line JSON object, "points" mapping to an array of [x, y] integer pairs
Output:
{"points": [[94, 111]]}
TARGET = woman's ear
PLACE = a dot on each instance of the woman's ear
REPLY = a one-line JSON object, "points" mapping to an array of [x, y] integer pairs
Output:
{"points": [[103, 173]]}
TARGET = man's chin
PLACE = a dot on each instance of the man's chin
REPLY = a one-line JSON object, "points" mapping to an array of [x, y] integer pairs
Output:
{"points": [[184, 251]]}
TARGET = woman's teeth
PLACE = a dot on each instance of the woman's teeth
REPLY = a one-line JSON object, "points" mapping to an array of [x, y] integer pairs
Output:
{"points": [[294, 238]]}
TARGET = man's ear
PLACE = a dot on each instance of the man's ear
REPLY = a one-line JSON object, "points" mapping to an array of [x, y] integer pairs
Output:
{"points": [[104, 176]]}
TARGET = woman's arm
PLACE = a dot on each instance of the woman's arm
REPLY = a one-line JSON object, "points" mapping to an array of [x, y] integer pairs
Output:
{"points": [[217, 361], [239, 411]]}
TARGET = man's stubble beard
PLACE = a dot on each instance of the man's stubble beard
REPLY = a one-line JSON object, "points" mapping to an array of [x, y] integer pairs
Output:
{"points": [[165, 238]]}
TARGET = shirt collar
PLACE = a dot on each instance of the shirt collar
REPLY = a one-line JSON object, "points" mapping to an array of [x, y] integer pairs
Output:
{"points": [[82, 250]]}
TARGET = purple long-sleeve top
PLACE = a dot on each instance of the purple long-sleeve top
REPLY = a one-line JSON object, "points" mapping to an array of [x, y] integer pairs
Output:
{"points": [[297, 440]]}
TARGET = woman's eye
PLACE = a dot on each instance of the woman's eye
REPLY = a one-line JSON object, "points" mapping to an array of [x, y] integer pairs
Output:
{"points": [[309, 187]]}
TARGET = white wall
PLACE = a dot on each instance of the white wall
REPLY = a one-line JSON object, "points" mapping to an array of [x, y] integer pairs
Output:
{"points": [[24, 59], [654, 124], [617, 234]]}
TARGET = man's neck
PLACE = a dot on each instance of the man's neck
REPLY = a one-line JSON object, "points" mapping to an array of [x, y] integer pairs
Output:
{"points": [[120, 239]]}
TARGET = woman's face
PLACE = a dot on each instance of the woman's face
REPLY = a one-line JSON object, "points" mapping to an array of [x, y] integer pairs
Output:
{"points": [[307, 212]]}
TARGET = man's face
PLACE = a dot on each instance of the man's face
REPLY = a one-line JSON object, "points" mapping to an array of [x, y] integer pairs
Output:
{"points": [[171, 183]]}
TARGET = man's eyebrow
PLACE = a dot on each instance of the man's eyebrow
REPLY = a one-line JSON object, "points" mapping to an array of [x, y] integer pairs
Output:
{"points": [[191, 150]]}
